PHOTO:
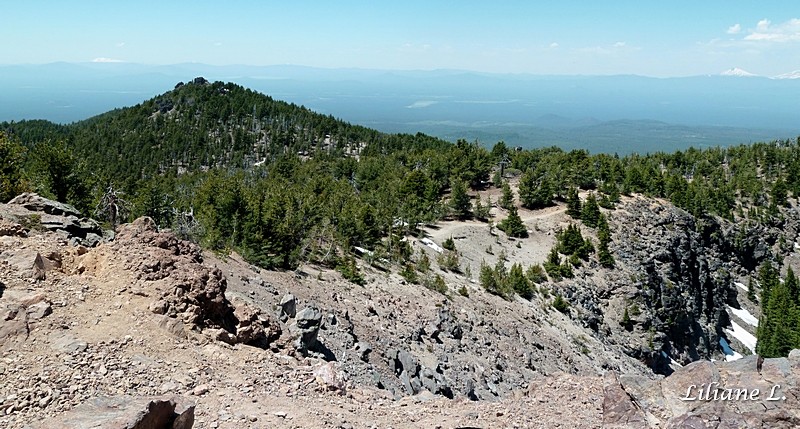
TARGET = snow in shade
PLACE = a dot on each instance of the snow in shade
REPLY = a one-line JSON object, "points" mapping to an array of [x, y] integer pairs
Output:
{"points": [[744, 315], [741, 334], [672, 362], [428, 242], [730, 354]]}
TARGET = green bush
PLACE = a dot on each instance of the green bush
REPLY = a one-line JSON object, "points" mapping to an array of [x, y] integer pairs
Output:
{"points": [[350, 271], [561, 304], [409, 273], [449, 261], [536, 274]]}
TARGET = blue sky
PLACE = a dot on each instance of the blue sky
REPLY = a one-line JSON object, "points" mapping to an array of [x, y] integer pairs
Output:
{"points": [[664, 38]]}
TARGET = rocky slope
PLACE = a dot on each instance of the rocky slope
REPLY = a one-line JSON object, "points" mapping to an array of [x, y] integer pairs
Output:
{"points": [[146, 315]]}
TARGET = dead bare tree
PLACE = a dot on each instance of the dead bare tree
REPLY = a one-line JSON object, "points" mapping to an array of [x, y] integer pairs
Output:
{"points": [[112, 207], [186, 226]]}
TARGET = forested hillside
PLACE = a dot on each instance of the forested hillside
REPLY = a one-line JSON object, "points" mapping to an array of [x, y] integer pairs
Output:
{"points": [[238, 171]]}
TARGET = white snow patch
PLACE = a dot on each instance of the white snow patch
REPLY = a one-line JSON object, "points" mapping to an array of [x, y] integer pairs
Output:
{"points": [[736, 71], [730, 354], [672, 362], [428, 242], [745, 315], [363, 251], [791, 75], [741, 286], [796, 245], [741, 334]]}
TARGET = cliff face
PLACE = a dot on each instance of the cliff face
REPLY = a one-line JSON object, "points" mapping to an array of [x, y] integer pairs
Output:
{"points": [[677, 280]]}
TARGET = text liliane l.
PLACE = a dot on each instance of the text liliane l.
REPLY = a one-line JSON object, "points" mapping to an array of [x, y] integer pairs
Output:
{"points": [[714, 392]]}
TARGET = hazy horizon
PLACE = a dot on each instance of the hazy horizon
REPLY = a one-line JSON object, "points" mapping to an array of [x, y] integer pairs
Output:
{"points": [[679, 38], [490, 71]]}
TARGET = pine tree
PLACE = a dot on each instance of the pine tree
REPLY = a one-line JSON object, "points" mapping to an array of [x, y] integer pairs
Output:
{"points": [[12, 156], [459, 200], [793, 286], [497, 179], [489, 280], [626, 318], [777, 331], [768, 278], [779, 192], [553, 264], [590, 213], [535, 195], [569, 240], [604, 237], [536, 274], [519, 283], [58, 173], [560, 304], [573, 203], [751, 290], [481, 211], [507, 199], [513, 225]]}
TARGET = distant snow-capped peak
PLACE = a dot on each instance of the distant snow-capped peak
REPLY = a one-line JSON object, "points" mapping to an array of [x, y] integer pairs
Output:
{"points": [[791, 75], [736, 71]]}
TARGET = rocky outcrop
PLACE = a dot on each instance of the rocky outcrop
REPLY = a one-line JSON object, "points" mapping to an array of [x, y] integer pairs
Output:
{"points": [[675, 279], [707, 394], [18, 312], [188, 290], [305, 329], [126, 412], [37, 212], [189, 293]]}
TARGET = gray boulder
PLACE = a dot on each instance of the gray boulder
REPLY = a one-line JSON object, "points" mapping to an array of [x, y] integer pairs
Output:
{"points": [[126, 412], [305, 328], [288, 307], [37, 203]]}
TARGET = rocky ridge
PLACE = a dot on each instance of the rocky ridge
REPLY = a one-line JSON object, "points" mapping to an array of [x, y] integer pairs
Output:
{"points": [[147, 315]]}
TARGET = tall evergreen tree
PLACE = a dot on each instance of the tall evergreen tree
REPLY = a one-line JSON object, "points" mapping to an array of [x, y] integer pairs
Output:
{"points": [[590, 214], [507, 199], [11, 160], [459, 200], [604, 237], [793, 286], [535, 193], [777, 330], [513, 225], [59, 174], [573, 203], [768, 279], [519, 282]]}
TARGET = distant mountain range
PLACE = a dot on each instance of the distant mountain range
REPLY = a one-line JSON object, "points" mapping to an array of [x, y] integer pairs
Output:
{"points": [[736, 71], [602, 113]]}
